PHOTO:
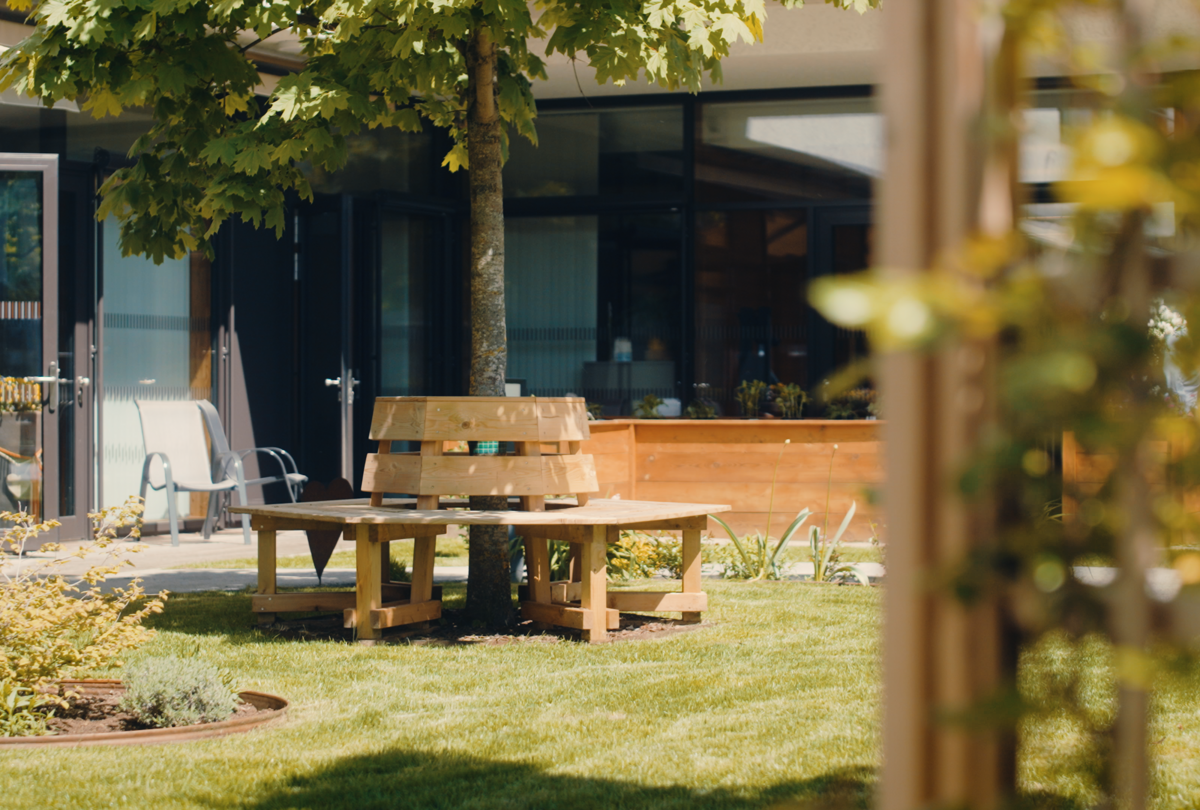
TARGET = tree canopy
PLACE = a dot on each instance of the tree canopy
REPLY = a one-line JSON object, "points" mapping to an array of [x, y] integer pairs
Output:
{"points": [[215, 150]]}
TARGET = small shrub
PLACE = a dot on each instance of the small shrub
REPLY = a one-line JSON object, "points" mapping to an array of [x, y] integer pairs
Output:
{"points": [[168, 691], [648, 407], [756, 556], [398, 570], [52, 627], [791, 399], [749, 395], [858, 403], [23, 713], [640, 555]]}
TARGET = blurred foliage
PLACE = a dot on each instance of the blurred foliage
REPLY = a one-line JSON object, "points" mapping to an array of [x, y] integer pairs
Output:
{"points": [[1058, 332], [749, 395], [790, 398]]}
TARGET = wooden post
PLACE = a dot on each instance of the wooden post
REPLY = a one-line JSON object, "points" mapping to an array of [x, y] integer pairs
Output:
{"points": [[939, 657], [370, 591], [537, 567], [691, 568], [266, 568], [422, 570], [595, 582]]}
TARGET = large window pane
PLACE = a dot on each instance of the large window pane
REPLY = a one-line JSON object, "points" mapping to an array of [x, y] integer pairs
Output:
{"points": [[633, 151], [771, 150], [380, 160], [752, 319], [157, 345], [593, 306], [403, 263]]}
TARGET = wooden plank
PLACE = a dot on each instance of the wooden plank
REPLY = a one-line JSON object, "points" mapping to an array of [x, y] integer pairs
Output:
{"points": [[367, 580], [743, 497], [562, 420], [700, 522], [563, 534], [566, 591], [691, 573], [396, 614], [479, 475], [595, 579], [687, 603], [758, 431], [566, 616], [267, 562], [398, 512], [422, 568], [537, 566], [793, 467], [297, 602]]}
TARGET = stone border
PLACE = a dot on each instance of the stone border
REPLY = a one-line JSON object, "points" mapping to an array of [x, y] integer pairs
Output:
{"points": [[277, 713]]}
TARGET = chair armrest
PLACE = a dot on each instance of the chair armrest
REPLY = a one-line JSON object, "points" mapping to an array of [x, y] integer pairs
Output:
{"points": [[166, 462], [222, 463], [281, 456]]}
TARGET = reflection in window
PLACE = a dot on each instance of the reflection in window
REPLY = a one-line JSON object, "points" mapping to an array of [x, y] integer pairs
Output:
{"points": [[593, 306], [624, 151], [404, 257], [770, 150], [751, 315], [380, 160]]}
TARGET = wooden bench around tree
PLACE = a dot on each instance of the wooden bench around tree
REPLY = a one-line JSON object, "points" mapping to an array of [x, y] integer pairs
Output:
{"points": [[546, 434]]}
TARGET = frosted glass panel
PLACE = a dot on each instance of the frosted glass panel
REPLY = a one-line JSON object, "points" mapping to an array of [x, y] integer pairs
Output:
{"points": [[148, 330]]}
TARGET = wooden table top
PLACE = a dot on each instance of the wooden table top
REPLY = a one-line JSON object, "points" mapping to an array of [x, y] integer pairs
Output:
{"points": [[598, 512]]}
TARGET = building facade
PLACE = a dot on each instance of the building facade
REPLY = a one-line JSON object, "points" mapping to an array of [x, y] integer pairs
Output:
{"points": [[656, 243]]}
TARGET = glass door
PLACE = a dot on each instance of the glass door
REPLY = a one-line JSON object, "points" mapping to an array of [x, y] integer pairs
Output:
{"points": [[39, 395]]}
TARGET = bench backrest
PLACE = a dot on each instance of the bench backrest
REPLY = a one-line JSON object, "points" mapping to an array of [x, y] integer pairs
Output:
{"points": [[531, 423]]}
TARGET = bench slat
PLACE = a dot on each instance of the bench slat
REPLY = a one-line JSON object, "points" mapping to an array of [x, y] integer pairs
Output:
{"points": [[480, 475], [487, 419]]}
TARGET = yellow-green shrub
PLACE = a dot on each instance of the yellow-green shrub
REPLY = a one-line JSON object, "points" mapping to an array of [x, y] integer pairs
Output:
{"points": [[53, 626]]}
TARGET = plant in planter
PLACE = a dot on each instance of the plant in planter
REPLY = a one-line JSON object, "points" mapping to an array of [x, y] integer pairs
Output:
{"points": [[52, 627], [648, 407], [853, 404], [749, 396], [166, 691], [791, 399]]}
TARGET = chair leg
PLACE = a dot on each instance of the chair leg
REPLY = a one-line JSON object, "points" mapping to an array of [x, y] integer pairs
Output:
{"points": [[210, 519], [243, 501], [173, 511]]}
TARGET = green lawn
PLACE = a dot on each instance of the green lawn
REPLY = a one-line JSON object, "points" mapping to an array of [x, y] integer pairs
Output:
{"points": [[779, 700], [776, 705]]}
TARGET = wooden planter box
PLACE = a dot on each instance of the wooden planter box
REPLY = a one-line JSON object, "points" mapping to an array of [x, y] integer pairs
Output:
{"points": [[732, 460]]}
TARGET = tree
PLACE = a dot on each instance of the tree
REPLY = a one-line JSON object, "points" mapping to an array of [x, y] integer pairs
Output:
{"points": [[216, 151]]}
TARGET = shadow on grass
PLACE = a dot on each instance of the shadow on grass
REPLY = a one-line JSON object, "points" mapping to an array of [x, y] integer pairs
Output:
{"points": [[417, 780]]}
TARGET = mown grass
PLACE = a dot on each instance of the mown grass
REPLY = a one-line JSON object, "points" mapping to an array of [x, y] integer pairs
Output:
{"points": [[776, 704], [778, 701]]}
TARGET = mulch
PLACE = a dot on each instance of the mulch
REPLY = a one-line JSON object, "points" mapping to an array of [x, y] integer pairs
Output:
{"points": [[99, 714]]}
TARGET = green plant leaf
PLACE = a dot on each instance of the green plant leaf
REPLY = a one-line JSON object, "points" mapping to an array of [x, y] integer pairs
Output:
{"points": [[736, 542], [837, 538]]}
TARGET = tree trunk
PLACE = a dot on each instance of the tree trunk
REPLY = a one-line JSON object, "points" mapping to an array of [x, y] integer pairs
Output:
{"points": [[489, 596]]}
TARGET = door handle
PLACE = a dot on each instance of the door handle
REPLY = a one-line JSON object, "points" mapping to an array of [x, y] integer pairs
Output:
{"points": [[331, 381], [51, 381]]}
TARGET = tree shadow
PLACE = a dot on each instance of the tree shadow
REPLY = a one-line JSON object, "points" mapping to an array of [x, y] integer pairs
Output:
{"points": [[418, 780]]}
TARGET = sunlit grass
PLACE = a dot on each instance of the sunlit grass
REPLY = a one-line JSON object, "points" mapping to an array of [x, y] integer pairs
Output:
{"points": [[778, 700]]}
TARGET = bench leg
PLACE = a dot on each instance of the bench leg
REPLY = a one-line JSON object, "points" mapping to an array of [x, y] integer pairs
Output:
{"points": [[367, 582], [594, 569], [266, 569], [422, 570], [537, 567], [691, 568]]}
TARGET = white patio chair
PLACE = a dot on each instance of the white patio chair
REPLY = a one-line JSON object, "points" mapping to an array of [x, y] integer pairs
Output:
{"points": [[178, 459]]}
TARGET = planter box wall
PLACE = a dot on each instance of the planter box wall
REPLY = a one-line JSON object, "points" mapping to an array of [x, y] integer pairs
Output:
{"points": [[732, 461]]}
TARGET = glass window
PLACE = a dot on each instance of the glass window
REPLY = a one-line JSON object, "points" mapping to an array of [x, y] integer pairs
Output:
{"points": [[157, 345], [751, 313], [91, 138], [593, 306], [21, 274], [770, 150], [380, 160], [632, 151], [404, 257]]}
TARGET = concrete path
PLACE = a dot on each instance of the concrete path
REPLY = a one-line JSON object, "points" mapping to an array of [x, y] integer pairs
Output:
{"points": [[158, 563]]}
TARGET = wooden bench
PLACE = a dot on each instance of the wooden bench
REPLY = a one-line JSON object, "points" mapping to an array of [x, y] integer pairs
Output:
{"points": [[546, 434]]}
